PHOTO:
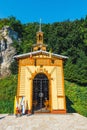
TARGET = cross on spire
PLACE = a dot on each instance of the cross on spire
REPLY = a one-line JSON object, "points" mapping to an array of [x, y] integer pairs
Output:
{"points": [[40, 26]]}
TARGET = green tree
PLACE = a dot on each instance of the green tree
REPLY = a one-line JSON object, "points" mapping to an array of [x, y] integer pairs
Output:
{"points": [[14, 67]]}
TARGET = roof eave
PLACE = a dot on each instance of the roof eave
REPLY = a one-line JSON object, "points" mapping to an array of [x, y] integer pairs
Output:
{"points": [[39, 52]]}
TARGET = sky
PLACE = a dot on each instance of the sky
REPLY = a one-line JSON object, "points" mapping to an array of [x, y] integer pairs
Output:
{"points": [[49, 11]]}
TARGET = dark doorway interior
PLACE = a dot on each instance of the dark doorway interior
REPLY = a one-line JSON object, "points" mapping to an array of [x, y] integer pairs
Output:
{"points": [[40, 93]]}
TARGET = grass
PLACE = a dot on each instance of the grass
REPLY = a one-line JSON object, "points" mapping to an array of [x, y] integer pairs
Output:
{"points": [[7, 93], [76, 96]]}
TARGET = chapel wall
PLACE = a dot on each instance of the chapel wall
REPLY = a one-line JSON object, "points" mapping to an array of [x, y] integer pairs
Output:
{"points": [[27, 69]]}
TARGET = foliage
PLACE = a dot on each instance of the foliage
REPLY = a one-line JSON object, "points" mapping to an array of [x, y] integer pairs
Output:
{"points": [[66, 38], [76, 98], [77, 72], [7, 93], [13, 23], [14, 67]]}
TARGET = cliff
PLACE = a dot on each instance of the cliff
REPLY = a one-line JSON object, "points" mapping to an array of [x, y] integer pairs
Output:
{"points": [[7, 51]]}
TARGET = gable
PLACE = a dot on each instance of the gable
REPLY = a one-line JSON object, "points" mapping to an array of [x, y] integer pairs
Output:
{"points": [[40, 53], [40, 61]]}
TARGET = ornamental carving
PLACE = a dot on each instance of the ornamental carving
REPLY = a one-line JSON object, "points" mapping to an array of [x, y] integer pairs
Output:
{"points": [[40, 62], [26, 61]]}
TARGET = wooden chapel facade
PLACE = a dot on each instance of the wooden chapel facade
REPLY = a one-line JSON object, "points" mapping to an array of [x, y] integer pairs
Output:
{"points": [[41, 80]]}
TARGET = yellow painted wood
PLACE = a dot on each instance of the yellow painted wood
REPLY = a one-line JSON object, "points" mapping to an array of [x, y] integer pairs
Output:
{"points": [[54, 72], [22, 81], [61, 103], [59, 82], [15, 102]]}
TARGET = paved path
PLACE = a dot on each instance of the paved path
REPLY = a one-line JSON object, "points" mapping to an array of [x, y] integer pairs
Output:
{"points": [[44, 122]]}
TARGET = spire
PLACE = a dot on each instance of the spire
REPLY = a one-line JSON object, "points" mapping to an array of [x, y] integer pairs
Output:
{"points": [[40, 26], [39, 45]]}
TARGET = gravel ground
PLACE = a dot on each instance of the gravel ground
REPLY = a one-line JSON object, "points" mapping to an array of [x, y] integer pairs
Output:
{"points": [[71, 121]]}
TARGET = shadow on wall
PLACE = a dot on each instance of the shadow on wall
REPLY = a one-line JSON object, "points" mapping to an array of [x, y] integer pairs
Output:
{"points": [[69, 107]]}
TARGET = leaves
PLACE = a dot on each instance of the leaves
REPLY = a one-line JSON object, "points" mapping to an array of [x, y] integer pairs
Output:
{"points": [[76, 98], [8, 88], [66, 38]]}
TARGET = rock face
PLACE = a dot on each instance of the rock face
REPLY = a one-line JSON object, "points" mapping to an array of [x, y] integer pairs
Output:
{"points": [[7, 51]]}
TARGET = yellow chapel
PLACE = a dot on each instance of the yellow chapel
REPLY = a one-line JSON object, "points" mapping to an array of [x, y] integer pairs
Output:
{"points": [[40, 80]]}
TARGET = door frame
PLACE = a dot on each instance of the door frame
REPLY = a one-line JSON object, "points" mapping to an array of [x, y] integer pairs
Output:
{"points": [[49, 87], [37, 79]]}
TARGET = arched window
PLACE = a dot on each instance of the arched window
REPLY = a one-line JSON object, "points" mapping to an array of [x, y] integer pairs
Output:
{"points": [[40, 37]]}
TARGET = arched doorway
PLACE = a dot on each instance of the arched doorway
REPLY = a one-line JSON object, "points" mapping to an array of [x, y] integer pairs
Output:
{"points": [[40, 93]]}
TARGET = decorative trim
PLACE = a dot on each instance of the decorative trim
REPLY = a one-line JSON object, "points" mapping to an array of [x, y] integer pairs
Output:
{"points": [[40, 61], [58, 111], [29, 70], [18, 86], [40, 52], [43, 71], [60, 96], [63, 86]]}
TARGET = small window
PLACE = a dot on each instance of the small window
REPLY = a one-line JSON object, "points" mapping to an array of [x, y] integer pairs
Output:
{"points": [[52, 61], [39, 48], [40, 37]]}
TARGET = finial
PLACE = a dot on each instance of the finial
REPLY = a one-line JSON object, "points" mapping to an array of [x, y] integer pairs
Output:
{"points": [[40, 26]]}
